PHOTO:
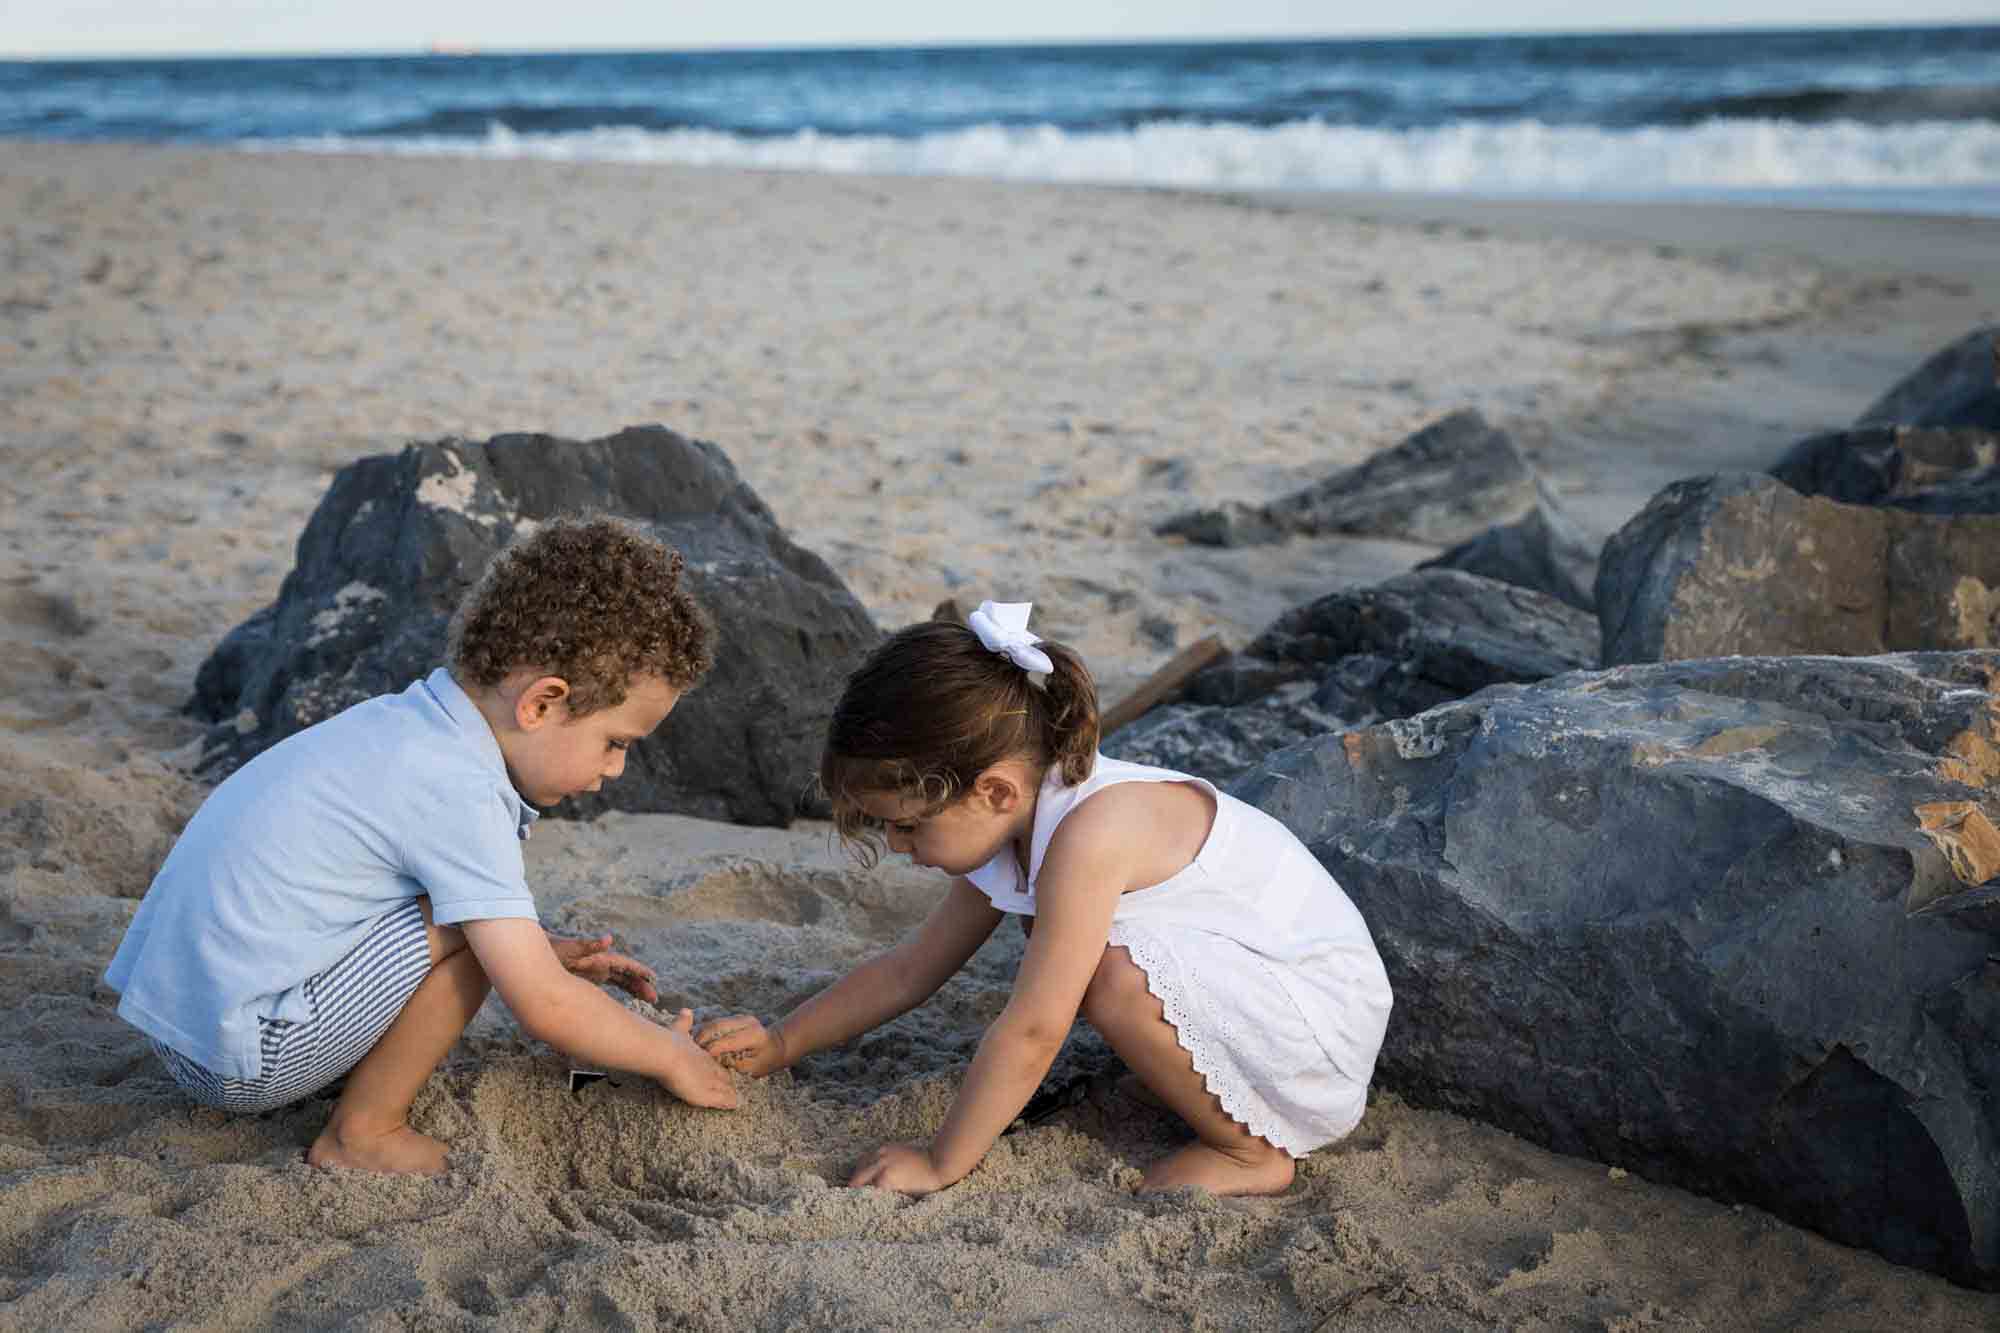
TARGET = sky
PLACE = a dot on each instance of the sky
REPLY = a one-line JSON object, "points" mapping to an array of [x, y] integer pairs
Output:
{"points": [[222, 27]]}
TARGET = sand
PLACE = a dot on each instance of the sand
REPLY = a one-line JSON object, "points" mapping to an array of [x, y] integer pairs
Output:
{"points": [[946, 388]]}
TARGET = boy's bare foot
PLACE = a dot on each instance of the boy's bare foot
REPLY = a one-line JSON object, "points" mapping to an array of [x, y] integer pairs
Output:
{"points": [[1260, 1170], [401, 1149]]}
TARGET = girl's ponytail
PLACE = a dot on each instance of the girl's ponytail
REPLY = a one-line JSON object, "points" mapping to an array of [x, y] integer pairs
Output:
{"points": [[1068, 714]]}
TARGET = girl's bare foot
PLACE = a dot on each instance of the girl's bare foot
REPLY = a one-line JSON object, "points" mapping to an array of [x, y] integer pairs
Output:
{"points": [[401, 1149], [1259, 1170]]}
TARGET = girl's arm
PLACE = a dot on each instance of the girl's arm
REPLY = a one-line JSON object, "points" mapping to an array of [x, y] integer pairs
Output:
{"points": [[1089, 863], [885, 986]]}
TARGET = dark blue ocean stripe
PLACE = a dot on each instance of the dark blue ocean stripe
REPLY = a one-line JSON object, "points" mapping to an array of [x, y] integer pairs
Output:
{"points": [[1875, 75]]}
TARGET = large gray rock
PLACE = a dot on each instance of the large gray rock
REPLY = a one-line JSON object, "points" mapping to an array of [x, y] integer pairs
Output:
{"points": [[1445, 484], [1960, 386], [1358, 656], [1727, 924], [398, 538], [1932, 470], [1742, 564]]}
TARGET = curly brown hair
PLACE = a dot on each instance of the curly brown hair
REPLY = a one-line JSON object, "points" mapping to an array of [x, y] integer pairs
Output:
{"points": [[590, 599], [932, 708]]}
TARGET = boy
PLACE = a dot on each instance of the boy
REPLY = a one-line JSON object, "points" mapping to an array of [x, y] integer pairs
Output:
{"points": [[342, 903]]}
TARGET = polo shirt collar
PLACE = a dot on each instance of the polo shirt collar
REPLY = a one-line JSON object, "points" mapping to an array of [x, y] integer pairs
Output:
{"points": [[472, 724]]}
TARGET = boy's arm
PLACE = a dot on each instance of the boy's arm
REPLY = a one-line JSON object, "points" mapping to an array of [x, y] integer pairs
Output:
{"points": [[580, 1020], [886, 985]]}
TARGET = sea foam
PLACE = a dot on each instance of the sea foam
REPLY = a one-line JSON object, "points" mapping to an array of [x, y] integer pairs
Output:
{"points": [[1522, 156]]}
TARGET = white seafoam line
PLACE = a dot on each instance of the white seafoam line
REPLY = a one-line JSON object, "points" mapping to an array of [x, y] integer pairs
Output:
{"points": [[1950, 166]]}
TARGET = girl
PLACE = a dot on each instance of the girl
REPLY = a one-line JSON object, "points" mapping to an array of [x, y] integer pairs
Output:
{"points": [[1212, 951]]}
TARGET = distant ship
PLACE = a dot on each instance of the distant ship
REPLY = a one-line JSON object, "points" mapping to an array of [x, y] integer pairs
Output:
{"points": [[444, 47]]}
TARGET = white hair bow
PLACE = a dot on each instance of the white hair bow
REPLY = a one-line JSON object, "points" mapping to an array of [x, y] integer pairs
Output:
{"points": [[1003, 628]]}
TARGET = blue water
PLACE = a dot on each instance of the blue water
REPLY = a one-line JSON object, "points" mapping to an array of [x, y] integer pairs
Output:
{"points": [[1884, 118]]}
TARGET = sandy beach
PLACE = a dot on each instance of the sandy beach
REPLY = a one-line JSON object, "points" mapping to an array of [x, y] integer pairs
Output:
{"points": [[945, 388]]}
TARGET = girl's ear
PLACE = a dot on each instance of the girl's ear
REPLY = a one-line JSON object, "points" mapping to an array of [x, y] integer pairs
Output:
{"points": [[999, 790], [536, 703]]}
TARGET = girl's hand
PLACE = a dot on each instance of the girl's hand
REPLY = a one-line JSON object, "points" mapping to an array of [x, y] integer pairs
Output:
{"points": [[742, 1043], [904, 1167], [593, 960]]}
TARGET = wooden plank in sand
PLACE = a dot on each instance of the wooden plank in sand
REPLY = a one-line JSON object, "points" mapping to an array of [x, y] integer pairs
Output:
{"points": [[1162, 683]]}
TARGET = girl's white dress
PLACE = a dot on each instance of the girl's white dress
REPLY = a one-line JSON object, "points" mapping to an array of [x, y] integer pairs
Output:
{"points": [[1265, 968]]}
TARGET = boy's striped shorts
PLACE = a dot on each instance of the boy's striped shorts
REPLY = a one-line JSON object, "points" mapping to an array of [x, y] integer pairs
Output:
{"points": [[353, 1003]]}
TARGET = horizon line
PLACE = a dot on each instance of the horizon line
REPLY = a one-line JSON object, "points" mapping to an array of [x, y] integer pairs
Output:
{"points": [[450, 48]]}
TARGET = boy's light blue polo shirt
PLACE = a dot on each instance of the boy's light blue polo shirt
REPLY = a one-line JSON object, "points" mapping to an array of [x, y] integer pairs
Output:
{"points": [[298, 853]]}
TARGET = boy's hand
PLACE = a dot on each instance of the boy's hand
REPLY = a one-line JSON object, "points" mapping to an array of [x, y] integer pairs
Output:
{"points": [[904, 1167], [591, 958], [742, 1043], [691, 1074]]}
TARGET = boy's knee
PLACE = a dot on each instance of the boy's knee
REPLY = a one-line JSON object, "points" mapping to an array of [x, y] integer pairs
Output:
{"points": [[445, 940], [448, 942]]}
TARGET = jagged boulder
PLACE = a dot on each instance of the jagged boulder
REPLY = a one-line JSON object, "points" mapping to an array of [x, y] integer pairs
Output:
{"points": [[1741, 563], [1932, 470], [398, 538], [1542, 550], [1358, 656], [1728, 924], [1222, 743], [1445, 484], [1960, 386], [1444, 632]]}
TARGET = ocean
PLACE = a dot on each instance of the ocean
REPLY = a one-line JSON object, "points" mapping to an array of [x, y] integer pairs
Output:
{"points": [[1901, 119]]}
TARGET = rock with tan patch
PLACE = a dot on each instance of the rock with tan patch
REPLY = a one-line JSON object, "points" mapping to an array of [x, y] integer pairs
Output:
{"points": [[1742, 564], [1724, 923], [397, 539]]}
